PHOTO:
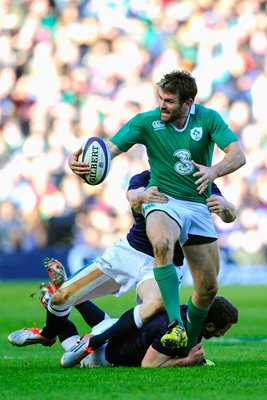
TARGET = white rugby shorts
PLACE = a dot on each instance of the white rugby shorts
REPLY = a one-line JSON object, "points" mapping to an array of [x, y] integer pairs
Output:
{"points": [[127, 266], [120, 262], [193, 218]]}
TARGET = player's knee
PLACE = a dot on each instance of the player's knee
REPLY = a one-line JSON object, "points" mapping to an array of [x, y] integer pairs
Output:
{"points": [[213, 290], [162, 248], [210, 292]]}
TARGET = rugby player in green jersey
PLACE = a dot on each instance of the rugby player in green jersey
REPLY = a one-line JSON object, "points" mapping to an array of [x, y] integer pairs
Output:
{"points": [[179, 137]]}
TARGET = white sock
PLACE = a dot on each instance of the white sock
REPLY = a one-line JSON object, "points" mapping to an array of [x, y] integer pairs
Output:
{"points": [[58, 312], [69, 342], [137, 319]]}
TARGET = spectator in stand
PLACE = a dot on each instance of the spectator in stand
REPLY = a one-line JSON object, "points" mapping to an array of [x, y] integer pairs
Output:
{"points": [[68, 68]]}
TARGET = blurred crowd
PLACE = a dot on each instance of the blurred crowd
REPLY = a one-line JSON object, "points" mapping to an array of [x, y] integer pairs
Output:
{"points": [[74, 69]]}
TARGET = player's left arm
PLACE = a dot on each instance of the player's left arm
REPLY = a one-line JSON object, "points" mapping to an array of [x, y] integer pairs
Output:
{"points": [[234, 159], [195, 357], [219, 205], [140, 196], [155, 359]]}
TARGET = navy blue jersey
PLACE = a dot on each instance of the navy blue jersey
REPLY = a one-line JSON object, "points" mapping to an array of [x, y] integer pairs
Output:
{"points": [[131, 351], [137, 236]]}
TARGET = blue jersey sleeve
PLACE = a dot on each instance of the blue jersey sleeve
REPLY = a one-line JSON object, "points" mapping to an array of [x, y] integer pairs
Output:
{"points": [[215, 189], [139, 180]]}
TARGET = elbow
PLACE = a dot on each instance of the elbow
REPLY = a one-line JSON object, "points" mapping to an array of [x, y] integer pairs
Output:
{"points": [[147, 364], [144, 364]]}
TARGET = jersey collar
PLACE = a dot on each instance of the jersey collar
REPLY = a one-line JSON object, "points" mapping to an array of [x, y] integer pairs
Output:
{"points": [[191, 112], [192, 109]]}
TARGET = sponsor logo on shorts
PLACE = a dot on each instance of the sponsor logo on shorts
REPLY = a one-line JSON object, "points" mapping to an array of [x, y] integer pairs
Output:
{"points": [[196, 134], [146, 207], [157, 125]]}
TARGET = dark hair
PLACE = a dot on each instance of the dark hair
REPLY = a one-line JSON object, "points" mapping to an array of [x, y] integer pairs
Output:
{"points": [[180, 83], [222, 312]]}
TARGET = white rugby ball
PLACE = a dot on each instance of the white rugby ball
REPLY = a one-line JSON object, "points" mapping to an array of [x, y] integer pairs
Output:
{"points": [[96, 153]]}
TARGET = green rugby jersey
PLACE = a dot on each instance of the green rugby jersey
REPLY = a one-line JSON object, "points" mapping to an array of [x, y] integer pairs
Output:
{"points": [[170, 150]]}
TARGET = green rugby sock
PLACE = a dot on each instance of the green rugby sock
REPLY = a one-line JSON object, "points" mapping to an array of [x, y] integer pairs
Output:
{"points": [[168, 283], [195, 321]]}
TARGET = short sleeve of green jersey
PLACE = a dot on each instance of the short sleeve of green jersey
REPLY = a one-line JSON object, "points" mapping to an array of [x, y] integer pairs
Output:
{"points": [[220, 133], [129, 134]]}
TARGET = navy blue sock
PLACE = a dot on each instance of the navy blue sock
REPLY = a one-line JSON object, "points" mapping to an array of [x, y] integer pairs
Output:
{"points": [[68, 330], [91, 313], [53, 325]]}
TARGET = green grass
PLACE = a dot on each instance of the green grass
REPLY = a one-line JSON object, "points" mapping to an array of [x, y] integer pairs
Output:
{"points": [[33, 372]]}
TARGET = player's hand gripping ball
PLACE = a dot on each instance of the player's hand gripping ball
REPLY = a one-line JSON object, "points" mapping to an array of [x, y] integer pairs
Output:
{"points": [[96, 153]]}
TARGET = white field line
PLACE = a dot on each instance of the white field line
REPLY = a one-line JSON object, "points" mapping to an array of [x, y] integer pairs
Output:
{"points": [[239, 340]]}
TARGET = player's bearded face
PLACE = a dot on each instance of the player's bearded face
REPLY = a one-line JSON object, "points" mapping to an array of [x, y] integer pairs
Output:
{"points": [[170, 108]]}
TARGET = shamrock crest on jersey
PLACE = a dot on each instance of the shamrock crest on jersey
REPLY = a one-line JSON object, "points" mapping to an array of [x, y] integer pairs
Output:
{"points": [[196, 134]]}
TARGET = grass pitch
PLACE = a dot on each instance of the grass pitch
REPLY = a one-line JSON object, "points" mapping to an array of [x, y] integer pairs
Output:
{"points": [[33, 372]]}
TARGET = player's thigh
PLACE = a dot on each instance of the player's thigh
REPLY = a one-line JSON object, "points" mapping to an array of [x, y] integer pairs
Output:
{"points": [[149, 294], [160, 226], [148, 290], [203, 262]]}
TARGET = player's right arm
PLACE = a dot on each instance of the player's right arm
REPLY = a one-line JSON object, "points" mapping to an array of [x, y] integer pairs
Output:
{"points": [[79, 168], [113, 149], [234, 159]]}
